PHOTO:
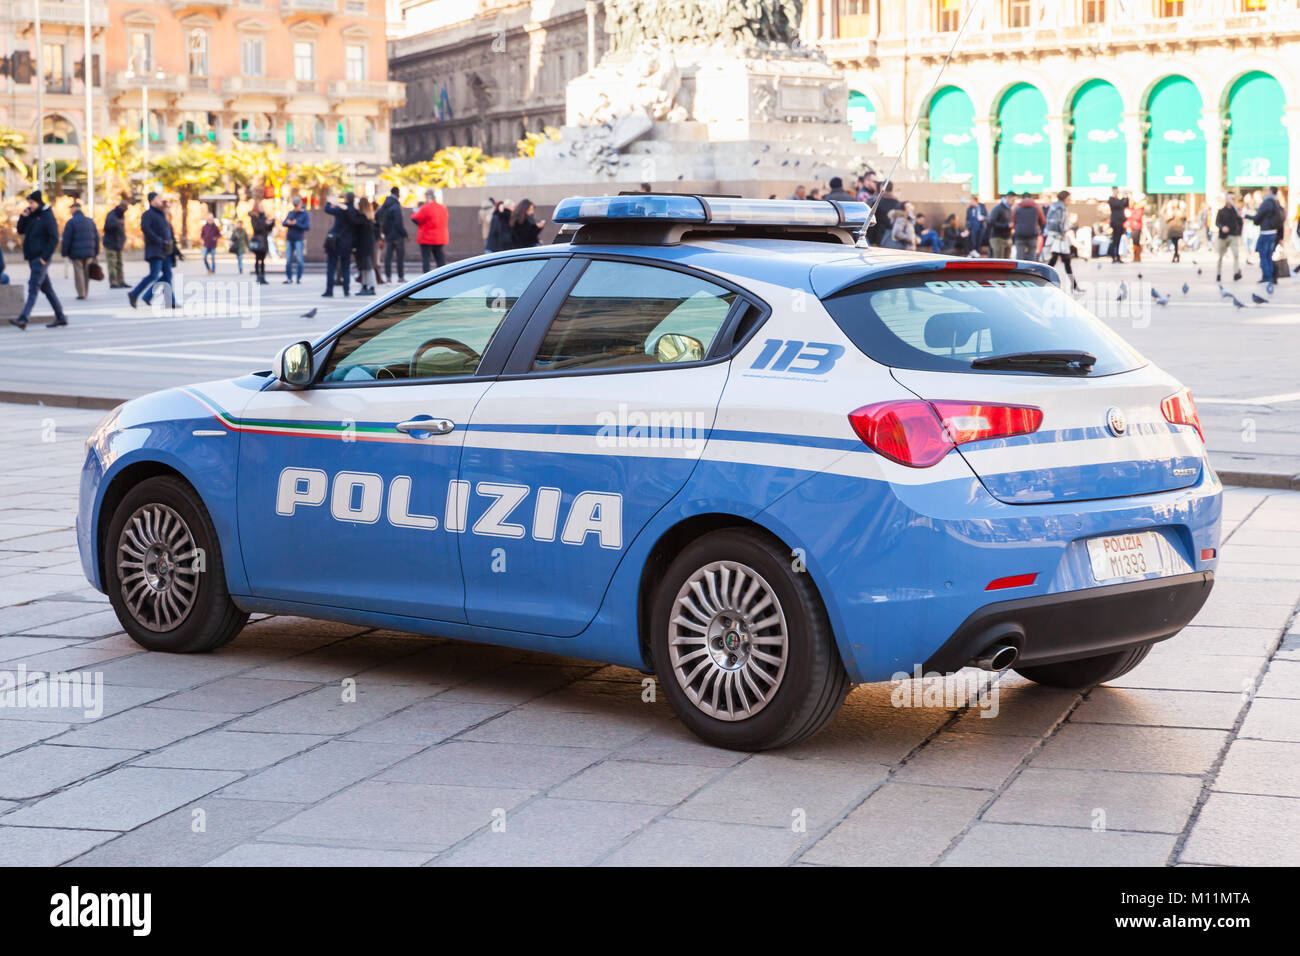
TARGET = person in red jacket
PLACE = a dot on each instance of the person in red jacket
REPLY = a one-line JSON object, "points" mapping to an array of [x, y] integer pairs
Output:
{"points": [[432, 235]]}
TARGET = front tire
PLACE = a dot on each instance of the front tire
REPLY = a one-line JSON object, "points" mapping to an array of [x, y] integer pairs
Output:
{"points": [[742, 645], [1087, 671], [163, 570]]}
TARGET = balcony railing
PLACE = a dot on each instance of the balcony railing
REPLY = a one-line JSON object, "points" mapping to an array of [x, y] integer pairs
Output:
{"points": [[170, 83], [179, 5], [273, 85], [327, 7], [386, 91], [64, 12]]}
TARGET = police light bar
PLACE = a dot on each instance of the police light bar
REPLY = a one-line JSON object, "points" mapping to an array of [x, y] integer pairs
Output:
{"points": [[712, 209]]}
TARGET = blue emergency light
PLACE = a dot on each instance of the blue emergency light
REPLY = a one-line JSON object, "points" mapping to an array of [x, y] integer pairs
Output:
{"points": [[715, 210]]}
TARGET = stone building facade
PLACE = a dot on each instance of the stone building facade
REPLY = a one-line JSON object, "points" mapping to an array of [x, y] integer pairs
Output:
{"points": [[485, 72], [1157, 97]]}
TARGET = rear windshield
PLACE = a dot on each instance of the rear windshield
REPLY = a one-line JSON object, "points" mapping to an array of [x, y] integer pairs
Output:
{"points": [[923, 321]]}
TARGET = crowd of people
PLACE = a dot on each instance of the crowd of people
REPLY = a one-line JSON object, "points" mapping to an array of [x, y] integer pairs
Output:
{"points": [[368, 238]]}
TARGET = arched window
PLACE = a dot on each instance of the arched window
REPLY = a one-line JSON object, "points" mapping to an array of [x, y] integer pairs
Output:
{"points": [[1024, 153], [1258, 142], [1175, 158], [952, 154], [58, 130], [254, 128]]}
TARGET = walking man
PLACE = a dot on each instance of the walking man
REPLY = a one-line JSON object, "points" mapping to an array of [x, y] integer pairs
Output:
{"points": [[1118, 212], [296, 225], [1001, 223], [114, 242], [159, 244], [432, 234], [339, 244], [1269, 217], [40, 234], [210, 235], [80, 246], [1029, 222], [1228, 222], [393, 230], [977, 217]]}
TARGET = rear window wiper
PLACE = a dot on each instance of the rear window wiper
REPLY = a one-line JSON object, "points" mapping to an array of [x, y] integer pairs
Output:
{"points": [[1062, 362]]}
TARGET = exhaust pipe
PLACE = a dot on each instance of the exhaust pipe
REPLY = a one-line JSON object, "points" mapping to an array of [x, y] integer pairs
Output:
{"points": [[997, 657]]}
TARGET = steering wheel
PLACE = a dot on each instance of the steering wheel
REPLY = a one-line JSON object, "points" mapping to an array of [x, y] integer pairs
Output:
{"points": [[454, 345]]}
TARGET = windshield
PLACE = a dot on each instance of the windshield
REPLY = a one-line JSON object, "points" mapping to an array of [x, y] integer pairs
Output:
{"points": [[923, 321]]}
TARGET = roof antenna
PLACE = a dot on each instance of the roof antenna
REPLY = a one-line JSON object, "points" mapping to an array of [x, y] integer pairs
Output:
{"points": [[888, 181]]}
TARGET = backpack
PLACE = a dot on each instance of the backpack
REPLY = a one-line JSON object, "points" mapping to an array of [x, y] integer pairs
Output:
{"points": [[1056, 218]]}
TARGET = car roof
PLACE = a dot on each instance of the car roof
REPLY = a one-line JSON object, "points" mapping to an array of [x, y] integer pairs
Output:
{"points": [[794, 263]]}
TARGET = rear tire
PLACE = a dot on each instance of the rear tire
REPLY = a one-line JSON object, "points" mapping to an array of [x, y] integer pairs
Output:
{"points": [[742, 645], [1087, 671], [163, 570]]}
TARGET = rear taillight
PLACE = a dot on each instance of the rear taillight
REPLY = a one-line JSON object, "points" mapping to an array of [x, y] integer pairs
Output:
{"points": [[919, 434], [1179, 409]]}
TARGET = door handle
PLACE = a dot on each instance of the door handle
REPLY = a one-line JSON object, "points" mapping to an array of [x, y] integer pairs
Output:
{"points": [[425, 427]]}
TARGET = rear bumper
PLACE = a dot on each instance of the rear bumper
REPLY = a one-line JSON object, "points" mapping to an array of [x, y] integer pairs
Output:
{"points": [[1075, 624]]}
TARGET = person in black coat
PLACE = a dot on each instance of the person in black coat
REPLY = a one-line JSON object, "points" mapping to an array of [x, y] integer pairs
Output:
{"points": [[159, 247], [40, 234], [365, 236], [338, 245], [524, 229], [114, 243], [392, 227], [80, 246], [260, 243]]}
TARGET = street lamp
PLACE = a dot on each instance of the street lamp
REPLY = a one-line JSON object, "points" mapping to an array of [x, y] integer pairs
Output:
{"points": [[131, 74]]}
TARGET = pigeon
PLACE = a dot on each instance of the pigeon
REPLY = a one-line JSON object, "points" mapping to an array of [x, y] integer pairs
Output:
{"points": [[1139, 275], [1154, 293], [766, 147], [755, 163], [1123, 292], [1237, 302], [681, 175], [1186, 288], [1269, 288], [1198, 271], [1099, 267], [1162, 300], [309, 314], [1224, 293], [785, 162], [1257, 298]]}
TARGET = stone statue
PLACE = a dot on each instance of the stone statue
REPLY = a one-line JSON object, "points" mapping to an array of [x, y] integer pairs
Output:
{"points": [[694, 22]]}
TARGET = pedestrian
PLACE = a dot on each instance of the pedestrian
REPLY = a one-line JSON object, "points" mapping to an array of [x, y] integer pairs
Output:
{"points": [[1056, 238], [365, 235], [1002, 222], [498, 236], [800, 192], [115, 242], [838, 192], [1029, 221], [40, 234], [956, 240], [1174, 215], [1269, 218], [927, 237], [338, 245], [814, 194], [210, 235], [1118, 213], [524, 227], [159, 247], [80, 246], [296, 225], [260, 243], [1228, 223], [392, 227], [431, 231], [878, 230], [977, 220], [902, 228], [239, 244], [1133, 225]]}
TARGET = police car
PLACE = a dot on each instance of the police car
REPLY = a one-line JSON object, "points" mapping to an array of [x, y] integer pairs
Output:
{"points": [[709, 438]]}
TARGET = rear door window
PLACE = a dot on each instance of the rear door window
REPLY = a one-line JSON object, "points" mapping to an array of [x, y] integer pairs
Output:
{"points": [[931, 322]]}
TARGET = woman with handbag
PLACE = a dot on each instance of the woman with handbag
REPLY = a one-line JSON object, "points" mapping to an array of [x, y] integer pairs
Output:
{"points": [[260, 243], [1056, 239]]}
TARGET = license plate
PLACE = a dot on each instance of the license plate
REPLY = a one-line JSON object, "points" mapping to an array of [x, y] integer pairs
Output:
{"points": [[1126, 556]]}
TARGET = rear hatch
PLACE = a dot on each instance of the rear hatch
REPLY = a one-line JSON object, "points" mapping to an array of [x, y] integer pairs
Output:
{"points": [[996, 337]]}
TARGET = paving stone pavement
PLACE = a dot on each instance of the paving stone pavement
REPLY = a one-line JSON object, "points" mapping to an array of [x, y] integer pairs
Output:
{"points": [[459, 754]]}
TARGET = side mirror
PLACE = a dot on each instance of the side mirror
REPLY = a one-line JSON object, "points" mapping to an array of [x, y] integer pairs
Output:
{"points": [[295, 365], [675, 347]]}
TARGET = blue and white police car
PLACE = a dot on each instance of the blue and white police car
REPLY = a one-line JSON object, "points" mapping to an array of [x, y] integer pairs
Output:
{"points": [[709, 438]]}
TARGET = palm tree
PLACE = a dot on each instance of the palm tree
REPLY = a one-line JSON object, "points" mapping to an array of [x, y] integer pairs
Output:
{"points": [[188, 171], [253, 168], [319, 179], [527, 147], [118, 157], [13, 147]]}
